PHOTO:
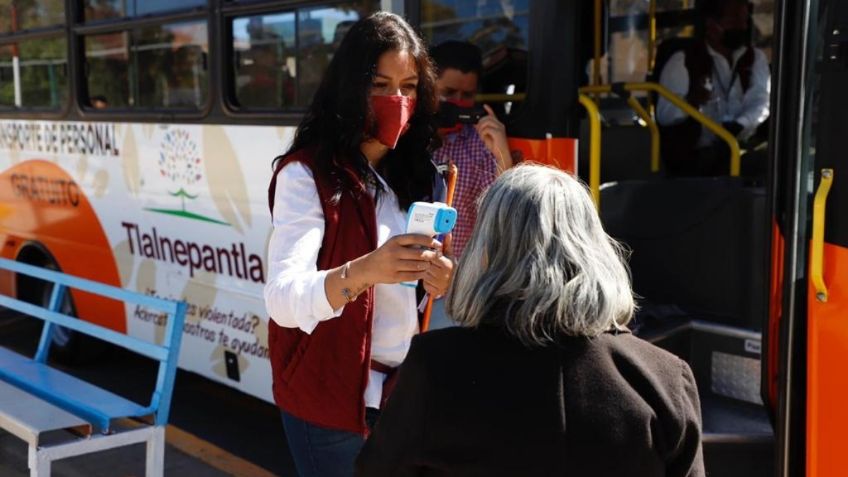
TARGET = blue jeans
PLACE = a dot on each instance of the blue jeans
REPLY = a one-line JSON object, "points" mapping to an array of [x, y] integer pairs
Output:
{"points": [[321, 452]]}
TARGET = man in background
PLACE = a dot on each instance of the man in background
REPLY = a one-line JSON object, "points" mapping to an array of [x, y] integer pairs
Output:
{"points": [[725, 78], [480, 151]]}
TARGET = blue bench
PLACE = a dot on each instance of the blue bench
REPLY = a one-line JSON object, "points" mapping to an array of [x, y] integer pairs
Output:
{"points": [[60, 415]]}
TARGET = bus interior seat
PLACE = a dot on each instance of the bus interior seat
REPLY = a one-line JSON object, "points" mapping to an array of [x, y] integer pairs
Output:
{"points": [[625, 151], [738, 437], [696, 243], [698, 261]]}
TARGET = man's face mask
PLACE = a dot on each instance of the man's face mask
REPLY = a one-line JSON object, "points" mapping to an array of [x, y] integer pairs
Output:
{"points": [[735, 38], [460, 103], [392, 114]]}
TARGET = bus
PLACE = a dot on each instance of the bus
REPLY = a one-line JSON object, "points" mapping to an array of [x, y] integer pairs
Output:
{"points": [[136, 140]]}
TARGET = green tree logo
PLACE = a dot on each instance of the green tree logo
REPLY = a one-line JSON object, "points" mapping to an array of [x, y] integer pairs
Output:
{"points": [[180, 162]]}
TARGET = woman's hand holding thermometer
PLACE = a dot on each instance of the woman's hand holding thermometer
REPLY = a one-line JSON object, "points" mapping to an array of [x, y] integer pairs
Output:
{"points": [[433, 219]]}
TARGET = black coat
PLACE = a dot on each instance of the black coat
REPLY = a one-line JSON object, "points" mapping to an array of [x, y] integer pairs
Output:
{"points": [[476, 402]]}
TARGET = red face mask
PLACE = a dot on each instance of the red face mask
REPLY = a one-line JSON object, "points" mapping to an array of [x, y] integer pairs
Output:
{"points": [[461, 103], [392, 114]]}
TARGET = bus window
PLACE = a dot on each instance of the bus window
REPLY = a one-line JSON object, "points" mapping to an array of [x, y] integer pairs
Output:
{"points": [[162, 66], [104, 9], [278, 58], [488, 24], [19, 15], [264, 60], [107, 60], [763, 22], [629, 28], [33, 72], [179, 52], [628, 38], [319, 31], [41, 79], [499, 28]]}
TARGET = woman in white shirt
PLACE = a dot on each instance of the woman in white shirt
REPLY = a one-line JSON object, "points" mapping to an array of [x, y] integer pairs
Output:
{"points": [[341, 319]]}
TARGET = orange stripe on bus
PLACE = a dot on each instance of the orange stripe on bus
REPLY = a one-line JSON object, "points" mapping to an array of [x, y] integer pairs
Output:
{"points": [[827, 377], [560, 152], [44, 204]]}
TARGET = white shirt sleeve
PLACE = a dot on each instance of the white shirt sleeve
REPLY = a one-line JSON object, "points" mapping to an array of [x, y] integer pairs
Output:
{"points": [[755, 103], [294, 293], [675, 78]]}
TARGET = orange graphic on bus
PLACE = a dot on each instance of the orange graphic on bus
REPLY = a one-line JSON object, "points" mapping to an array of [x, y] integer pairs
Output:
{"points": [[42, 206]]}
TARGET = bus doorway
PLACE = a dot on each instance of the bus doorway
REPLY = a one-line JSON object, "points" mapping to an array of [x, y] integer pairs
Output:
{"points": [[722, 264]]}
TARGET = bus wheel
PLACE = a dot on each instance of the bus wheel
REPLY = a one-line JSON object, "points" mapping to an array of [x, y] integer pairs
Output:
{"points": [[67, 346]]}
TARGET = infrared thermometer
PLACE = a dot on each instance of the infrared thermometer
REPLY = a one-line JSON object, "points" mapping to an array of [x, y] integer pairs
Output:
{"points": [[430, 219]]}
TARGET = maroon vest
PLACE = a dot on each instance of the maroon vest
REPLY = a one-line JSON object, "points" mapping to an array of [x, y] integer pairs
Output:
{"points": [[321, 377]]}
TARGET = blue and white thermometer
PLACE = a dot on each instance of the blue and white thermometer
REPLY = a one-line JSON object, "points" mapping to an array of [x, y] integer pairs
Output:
{"points": [[430, 219]]}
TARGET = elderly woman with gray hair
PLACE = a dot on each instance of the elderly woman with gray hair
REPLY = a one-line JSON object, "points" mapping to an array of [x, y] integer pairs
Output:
{"points": [[543, 376]]}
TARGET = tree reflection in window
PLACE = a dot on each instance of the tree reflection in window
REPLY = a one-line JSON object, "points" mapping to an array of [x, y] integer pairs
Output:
{"points": [[105, 9], [264, 60], [500, 28], [17, 15], [279, 58], [489, 24], [33, 74], [162, 66]]}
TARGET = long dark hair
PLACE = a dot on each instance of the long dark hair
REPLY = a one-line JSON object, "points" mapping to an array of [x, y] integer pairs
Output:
{"points": [[340, 117]]}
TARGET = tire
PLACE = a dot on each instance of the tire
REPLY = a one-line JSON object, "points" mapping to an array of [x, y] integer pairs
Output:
{"points": [[67, 346]]}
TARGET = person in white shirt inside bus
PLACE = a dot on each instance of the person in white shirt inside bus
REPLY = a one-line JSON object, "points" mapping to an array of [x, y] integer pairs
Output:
{"points": [[725, 78]]}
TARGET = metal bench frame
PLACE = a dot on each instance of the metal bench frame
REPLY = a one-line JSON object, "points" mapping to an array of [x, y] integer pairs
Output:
{"points": [[107, 436]]}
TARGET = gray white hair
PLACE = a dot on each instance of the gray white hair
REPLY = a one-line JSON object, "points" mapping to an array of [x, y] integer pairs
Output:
{"points": [[539, 249]]}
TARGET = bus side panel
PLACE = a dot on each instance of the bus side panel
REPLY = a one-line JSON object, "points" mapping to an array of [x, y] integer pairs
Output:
{"points": [[195, 226], [44, 205], [827, 379]]}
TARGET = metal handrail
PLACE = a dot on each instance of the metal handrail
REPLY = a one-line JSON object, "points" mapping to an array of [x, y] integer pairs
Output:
{"points": [[597, 42], [717, 129], [817, 241], [714, 127], [594, 147], [652, 33], [652, 127]]}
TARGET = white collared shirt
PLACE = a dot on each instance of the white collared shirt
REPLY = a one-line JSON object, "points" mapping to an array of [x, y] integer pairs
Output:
{"points": [[295, 295], [728, 101]]}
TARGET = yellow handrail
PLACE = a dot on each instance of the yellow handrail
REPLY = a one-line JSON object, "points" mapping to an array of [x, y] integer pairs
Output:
{"points": [[817, 246], [596, 64], [594, 147], [652, 126], [652, 46], [716, 128], [652, 33]]}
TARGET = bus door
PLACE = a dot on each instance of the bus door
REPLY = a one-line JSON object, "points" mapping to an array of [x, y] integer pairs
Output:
{"points": [[810, 379], [827, 302]]}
